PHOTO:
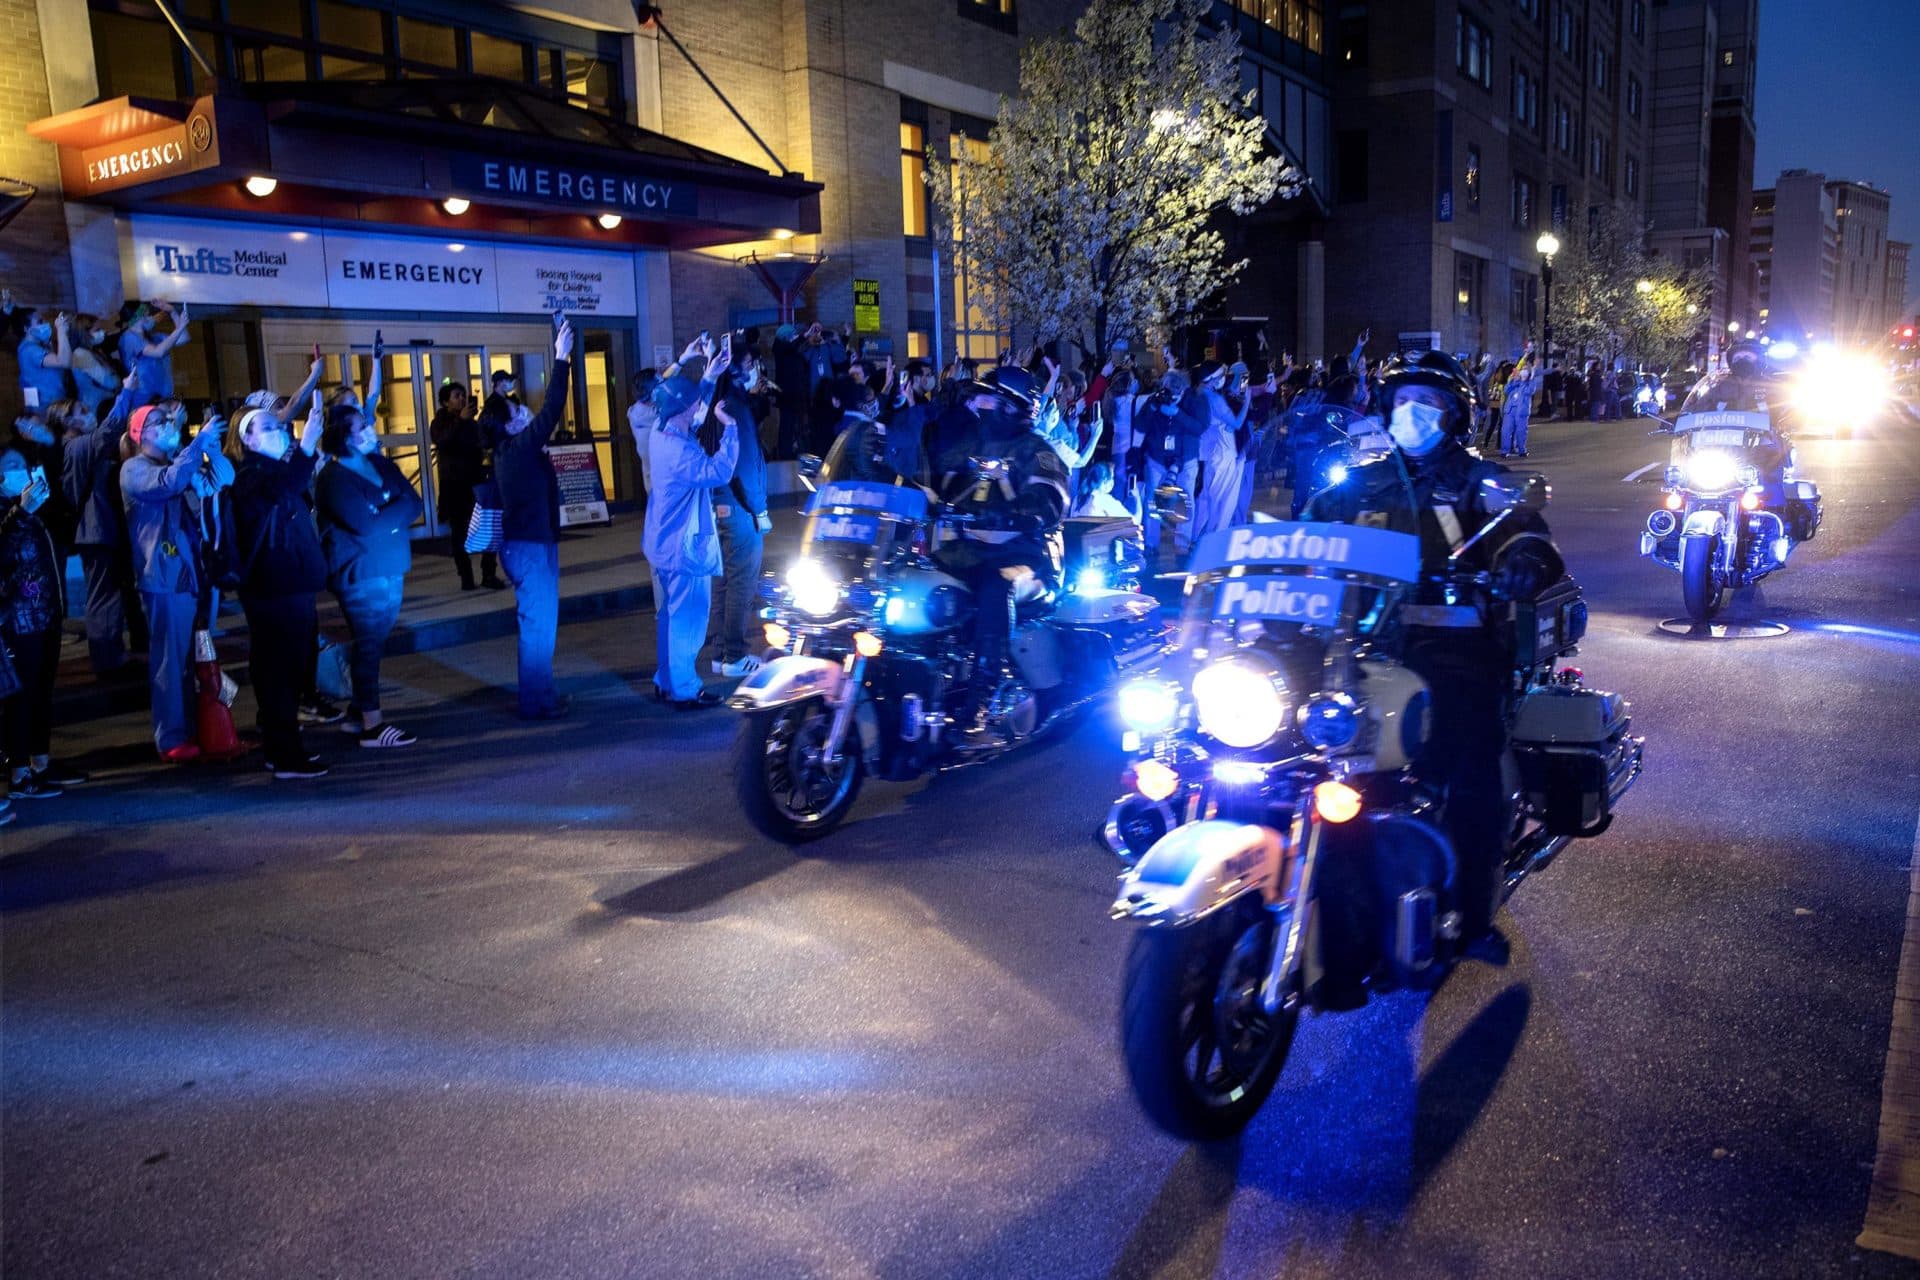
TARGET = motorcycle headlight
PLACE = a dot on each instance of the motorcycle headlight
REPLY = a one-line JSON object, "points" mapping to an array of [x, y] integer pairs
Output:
{"points": [[814, 590], [1712, 470], [1241, 701], [1148, 706], [1330, 721]]}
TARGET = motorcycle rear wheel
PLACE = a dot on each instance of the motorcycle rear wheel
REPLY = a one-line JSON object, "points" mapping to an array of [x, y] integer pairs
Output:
{"points": [[1202, 1054], [786, 791], [1702, 597]]}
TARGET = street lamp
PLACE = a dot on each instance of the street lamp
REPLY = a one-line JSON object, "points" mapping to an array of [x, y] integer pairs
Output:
{"points": [[1693, 308], [1548, 244], [1644, 287]]}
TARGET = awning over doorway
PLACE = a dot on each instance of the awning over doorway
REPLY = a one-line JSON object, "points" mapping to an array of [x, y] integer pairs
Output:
{"points": [[395, 152]]}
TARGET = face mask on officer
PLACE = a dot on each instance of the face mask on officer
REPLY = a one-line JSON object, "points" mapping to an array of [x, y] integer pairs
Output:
{"points": [[1416, 427]]}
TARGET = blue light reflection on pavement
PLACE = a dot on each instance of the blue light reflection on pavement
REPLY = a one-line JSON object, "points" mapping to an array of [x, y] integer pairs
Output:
{"points": [[1867, 633], [52, 1053]]}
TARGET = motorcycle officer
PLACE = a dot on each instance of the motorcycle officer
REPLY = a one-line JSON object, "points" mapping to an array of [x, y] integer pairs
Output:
{"points": [[1005, 555], [1431, 485]]}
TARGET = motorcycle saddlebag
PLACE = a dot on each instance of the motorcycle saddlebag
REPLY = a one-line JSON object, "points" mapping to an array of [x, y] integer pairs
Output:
{"points": [[1550, 625], [1570, 743]]}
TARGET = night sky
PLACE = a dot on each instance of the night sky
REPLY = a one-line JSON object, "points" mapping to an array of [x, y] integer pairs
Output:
{"points": [[1838, 93]]}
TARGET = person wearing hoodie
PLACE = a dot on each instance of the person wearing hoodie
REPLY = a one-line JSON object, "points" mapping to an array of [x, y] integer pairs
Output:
{"points": [[366, 508], [530, 524], [741, 518], [162, 486], [90, 479], [282, 568], [694, 448]]}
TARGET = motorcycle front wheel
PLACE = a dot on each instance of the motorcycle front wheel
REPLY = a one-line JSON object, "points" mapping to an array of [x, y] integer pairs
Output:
{"points": [[786, 787], [1202, 1053], [1696, 577]]}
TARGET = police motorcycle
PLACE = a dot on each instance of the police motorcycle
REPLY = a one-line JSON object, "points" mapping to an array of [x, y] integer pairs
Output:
{"points": [[872, 661], [1732, 507], [1284, 852]]}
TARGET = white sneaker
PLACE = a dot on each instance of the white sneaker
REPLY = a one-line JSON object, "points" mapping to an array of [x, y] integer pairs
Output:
{"points": [[735, 670]]}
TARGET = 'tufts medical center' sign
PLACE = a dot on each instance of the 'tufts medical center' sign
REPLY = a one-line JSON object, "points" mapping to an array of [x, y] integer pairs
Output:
{"points": [[237, 263]]}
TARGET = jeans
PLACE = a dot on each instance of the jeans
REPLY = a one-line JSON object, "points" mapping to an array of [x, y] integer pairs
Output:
{"points": [[113, 607], [682, 603], [741, 543], [372, 606], [1513, 433], [534, 570], [170, 617], [456, 508], [280, 660], [28, 714]]}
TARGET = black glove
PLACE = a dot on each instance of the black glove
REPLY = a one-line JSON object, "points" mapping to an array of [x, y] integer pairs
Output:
{"points": [[710, 434]]}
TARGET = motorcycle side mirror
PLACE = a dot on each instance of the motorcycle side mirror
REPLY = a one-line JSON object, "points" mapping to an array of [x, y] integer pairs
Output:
{"points": [[1518, 491], [810, 465]]}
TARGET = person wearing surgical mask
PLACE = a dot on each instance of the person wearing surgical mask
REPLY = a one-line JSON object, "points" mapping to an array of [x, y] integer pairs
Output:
{"points": [[1431, 485], [161, 487], [31, 606], [366, 507], [282, 569], [90, 484], [45, 355], [147, 353], [1516, 409], [95, 379]]}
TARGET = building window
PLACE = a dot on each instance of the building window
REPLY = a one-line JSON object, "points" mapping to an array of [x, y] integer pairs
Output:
{"points": [[995, 13], [1598, 155], [1633, 95], [1523, 301], [1563, 127], [1469, 285], [1522, 209], [913, 185], [1526, 97], [1726, 57], [1350, 166], [1567, 32], [1631, 176], [1301, 21], [977, 334], [1529, 9], [1637, 18], [1473, 177], [1353, 36], [1473, 50], [1602, 71]]}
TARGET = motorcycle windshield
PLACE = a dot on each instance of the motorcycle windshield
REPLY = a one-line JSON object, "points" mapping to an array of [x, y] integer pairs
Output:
{"points": [[1278, 577], [849, 512]]}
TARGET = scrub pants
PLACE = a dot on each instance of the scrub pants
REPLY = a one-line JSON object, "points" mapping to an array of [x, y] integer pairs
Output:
{"points": [[683, 603], [280, 633], [170, 617], [112, 610], [1513, 432], [741, 547], [534, 570]]}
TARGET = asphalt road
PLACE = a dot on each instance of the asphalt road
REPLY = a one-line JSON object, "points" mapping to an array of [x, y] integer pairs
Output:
{"points": [[534, 1001]]}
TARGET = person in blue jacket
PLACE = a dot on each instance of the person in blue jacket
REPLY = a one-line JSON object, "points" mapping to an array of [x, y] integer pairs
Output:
{"points": [[693, 449], [530, 524], [741, 518], [147, 353], [45, 354]]}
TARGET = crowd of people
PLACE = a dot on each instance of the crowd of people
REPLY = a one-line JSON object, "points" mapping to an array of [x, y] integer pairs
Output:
{"points": [[273, 498]]}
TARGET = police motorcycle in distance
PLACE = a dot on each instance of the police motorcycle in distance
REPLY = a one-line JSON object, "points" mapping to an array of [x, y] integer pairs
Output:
{"points": [[1732, 506], [1285, 852], [873, 657]]}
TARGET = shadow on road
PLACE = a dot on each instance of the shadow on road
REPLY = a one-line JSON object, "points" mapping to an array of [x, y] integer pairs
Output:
{"points": [[74, 868], [1182, 1231], [1456, 1088], [697, 887]]}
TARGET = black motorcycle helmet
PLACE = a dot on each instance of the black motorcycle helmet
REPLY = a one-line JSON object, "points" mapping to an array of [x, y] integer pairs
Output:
{"points": [[1438, 371], [1747, 359], [1011, 385]]}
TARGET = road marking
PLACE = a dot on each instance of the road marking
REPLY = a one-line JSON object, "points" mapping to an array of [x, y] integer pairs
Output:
{"points": [[1893, 1201], [1633, 476]]}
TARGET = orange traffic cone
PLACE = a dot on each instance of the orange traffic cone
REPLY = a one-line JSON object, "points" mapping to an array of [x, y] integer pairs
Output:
{"points": [[218, 740]]}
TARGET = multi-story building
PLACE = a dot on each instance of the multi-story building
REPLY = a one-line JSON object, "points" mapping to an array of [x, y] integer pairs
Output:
{"points": [[1895, 297], [1463, 130], [1761, 247], [1731, 146], [1802, 243], [1860, 282], [446, 171]]}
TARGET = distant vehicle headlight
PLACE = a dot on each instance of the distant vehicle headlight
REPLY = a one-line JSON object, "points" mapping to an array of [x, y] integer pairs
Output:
{"points": [[1241, 701]]}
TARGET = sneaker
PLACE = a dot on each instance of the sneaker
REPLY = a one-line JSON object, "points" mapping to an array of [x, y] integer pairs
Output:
{"points": [[182, 754], [320, 711], [738, 667], [59, 775], [493, 584], [309, 767], [32, 788], [387, 735]]}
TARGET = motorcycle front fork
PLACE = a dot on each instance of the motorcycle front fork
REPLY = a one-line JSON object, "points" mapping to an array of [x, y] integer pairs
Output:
{"points": [[843, 709], [1278, 990]]}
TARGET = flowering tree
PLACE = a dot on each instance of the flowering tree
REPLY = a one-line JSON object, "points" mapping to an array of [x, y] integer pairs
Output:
{"points": [[1612, 296], [1087, 217]]}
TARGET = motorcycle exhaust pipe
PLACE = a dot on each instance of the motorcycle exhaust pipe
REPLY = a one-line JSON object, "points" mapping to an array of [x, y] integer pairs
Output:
{"points": [[1661, 524]]}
